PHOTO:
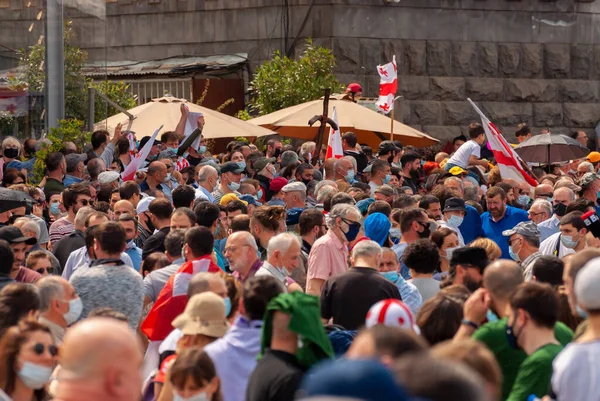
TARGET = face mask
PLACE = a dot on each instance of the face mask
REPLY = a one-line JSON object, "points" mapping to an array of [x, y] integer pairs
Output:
{"points": [[387, 178], [583, 314], [277, 153], [259, 194], [234, 186], [217, 231], [560, 210], [395, 233], [75, 308], [349, 176], [513, 255], [174, 150], [455, 221], [54, 208], [568, 241], [353, 230], [449, 252], [272, 169], [150, 225], [202, 149], [198, 397], [425, 233], [491, 316], [242, 165], [11, 153], [34, 376], [523, 200], [227, 306], [392, 276], [511, 337]]}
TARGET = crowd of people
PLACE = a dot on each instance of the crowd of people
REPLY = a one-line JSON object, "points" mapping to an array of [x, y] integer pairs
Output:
{"points": [[276, 274]]}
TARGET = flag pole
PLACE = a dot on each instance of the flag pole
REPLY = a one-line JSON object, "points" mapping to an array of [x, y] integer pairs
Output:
{"points": [[392, 127]]}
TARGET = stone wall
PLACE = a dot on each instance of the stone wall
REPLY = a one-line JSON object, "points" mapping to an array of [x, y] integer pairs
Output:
{"points": [[536, 61]]}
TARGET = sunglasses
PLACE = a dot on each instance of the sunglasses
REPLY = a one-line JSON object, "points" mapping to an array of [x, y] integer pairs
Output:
{"points": [[39, 349], [85, 202], [42, 270], [352, 223]]}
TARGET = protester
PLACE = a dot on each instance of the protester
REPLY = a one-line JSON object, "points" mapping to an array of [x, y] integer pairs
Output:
{"points": [[242, 252], [160, 214], [73, 198], [59, 305], [389, 268], [283, 253]]}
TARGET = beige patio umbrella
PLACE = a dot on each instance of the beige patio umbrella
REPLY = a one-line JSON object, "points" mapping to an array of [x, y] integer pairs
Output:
{"points": [[370, 127], [166, 111]]}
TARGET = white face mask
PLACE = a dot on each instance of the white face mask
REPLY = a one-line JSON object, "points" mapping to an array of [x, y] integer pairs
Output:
{"points": [[75, 309], [198, 397], [34, 376]]}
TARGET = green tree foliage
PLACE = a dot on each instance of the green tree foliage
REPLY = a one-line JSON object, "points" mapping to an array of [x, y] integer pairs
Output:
{"points": [[76, 83], [283, 82]]}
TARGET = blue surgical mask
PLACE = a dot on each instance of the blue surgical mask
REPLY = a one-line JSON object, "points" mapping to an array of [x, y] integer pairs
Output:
{"points": [[395, 233], [455, 221], [242, 165], [513, 255], [227, 306], [583, 314], [349, 176], [75, 309], [174, 150], [259, 194], [387, 178], [491, 316], [523, 200], [234, 186], [34, 376], [449, 253], [54, 208], [568, 241], [392, 276], [202, 149]]}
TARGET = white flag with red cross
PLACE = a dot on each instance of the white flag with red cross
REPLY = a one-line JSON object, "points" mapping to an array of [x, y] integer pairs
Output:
{"points": [[509, 162], [140, 159], [334, 144], [388, 86], [13, 104]]}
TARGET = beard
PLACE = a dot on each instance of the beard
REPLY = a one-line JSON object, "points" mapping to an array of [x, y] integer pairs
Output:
{"points": [[498, 212], [472, 285]]}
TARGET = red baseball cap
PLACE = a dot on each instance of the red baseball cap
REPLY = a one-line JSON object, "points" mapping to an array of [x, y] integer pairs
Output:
{"points": [[277, 183], [354, 87]]}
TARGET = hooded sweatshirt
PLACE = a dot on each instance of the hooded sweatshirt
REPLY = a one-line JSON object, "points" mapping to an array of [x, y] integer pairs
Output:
{"points": [[234, 357]]}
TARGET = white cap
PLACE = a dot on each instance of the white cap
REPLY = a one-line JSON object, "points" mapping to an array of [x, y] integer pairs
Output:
{"points": [[109, 176], [392, 312], [586, 285], [143, 204], [294, 186]]}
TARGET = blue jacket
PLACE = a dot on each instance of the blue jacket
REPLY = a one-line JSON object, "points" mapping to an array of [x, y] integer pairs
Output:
{"points": [[471, 225], [493, 230]]}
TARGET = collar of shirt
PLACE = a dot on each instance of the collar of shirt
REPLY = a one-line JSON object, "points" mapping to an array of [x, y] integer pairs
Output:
{"points": [[241, 321], [306, 247], [551, 222], [178, 261], [335, 240], [253, 269], [531, 258], [274, 271]]}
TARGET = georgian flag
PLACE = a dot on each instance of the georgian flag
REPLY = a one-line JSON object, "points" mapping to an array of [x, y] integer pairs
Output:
{"points": [[509, 162], [388, 85], [138, 163], [13, 105], [334, 144]]}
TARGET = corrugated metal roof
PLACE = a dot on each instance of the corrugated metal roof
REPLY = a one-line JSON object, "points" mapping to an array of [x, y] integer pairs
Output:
{"points": [[171, 66]]}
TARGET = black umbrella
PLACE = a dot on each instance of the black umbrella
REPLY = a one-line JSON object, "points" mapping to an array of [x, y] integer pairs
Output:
{"points": [[550, 148], [11, 199]]}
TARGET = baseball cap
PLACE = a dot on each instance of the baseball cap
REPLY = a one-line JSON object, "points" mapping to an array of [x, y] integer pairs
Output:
{"points": [[231, 167], [293, 216], [250, 200], [262, 162], [368, 168], [109, 176], [228, 198], [385, 190], [386, 147], [457, 171], [593, 157], [204, 314], [277, 184], [365, 380], [363, 205], [565, 183], [586, 285], [145, 139], [73, 159], [354, 87], [525, 228], [377, 227], [13, 235], [393, 313], [167, 154], [454, 204], [143, 204], [588, 178], [294, 186]]}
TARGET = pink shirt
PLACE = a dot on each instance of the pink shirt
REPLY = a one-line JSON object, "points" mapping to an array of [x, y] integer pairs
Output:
{"points": [[328, 257]]}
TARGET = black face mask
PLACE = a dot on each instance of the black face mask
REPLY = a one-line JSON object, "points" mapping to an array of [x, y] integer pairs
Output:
{"points": [[426, 231], [305, 182], [277, 153], [11, 153], [391, 158], [150, 225], [560, 210]]}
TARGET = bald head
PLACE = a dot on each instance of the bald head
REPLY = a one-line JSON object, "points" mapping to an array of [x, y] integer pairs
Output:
{"points": [[543, 189], [207, 282], [501, 278], [123, 207], [94, 345]]}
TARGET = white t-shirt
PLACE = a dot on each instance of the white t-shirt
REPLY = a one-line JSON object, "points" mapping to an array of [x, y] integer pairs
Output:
{"points": [[548, 246], [576, 376], [463, 154]]}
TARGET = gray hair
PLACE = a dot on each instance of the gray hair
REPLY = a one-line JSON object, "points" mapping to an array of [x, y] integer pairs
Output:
{"points": [[322, 183], [458, 180], [545, 205], [28, 226], [390, 250], [281, 242], [351, 159], [82, 215], [367, 249], [201, 283], [205, 172], [308, 147], [470, 193], [588, 166], [50, 288], [324, 192], [341, 210], [288, 157]]}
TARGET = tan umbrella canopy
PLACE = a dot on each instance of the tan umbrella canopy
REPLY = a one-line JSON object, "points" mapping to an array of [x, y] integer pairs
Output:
{"points": [[370, 127], [166, 111]]}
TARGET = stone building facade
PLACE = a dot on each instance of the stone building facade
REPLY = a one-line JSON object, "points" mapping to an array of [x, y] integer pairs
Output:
{"points": [[534, 61]]}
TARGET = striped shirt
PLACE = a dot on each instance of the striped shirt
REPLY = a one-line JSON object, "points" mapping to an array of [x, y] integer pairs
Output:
{"points": [[59, 229]]}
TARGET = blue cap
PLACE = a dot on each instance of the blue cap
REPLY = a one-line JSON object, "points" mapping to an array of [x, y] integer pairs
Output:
{"points": [[363, 205], [366, 380], [293, 216], [250, 199], [377, 227]]}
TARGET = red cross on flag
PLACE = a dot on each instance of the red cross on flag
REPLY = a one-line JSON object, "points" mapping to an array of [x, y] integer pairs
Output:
{"points": [[14, 106], [334, 144], [509, 162], [388, 85]]}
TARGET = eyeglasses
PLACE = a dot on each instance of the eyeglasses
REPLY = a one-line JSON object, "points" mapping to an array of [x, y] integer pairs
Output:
{"points": [[535, 214], [351, 223], [511, 242], [84, 202], [39, 349], [543, 196], [45, 270], [232, 249]]}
